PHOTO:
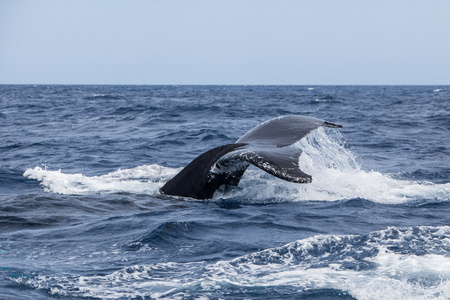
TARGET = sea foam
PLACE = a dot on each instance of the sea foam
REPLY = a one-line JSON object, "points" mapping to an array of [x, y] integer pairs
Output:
{"points": [[147, 179], [380, 265], [336, 176]]}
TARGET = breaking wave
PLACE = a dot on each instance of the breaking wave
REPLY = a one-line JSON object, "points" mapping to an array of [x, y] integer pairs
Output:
{"points": [[409, 263]]}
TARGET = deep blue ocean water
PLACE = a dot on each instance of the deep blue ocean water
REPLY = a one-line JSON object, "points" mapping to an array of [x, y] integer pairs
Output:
{"points": [[81, 215]]}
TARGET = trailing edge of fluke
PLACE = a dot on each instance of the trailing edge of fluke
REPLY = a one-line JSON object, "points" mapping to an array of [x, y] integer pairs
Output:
{"points": [[264, 146]]}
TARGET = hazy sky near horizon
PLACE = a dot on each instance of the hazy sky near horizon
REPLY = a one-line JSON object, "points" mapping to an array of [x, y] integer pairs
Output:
{"points": [[224, 42]]}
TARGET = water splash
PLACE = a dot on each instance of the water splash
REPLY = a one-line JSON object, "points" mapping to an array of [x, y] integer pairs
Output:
{"points": [[146, 179], [336, 175]]}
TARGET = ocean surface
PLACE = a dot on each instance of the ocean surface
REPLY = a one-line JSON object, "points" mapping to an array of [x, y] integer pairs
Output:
{"points": [[82, 217]]}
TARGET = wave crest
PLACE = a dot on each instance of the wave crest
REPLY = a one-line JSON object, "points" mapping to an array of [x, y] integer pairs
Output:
{"points": [[410, 263]]}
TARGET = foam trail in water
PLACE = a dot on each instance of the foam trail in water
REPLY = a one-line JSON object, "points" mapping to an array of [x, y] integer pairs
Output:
{"points": [[140, 180], [336, 176], [410, 263], [381, 265]]}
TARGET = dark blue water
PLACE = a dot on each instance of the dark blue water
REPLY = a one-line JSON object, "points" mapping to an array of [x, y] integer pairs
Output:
{"points": [[81, 215]]}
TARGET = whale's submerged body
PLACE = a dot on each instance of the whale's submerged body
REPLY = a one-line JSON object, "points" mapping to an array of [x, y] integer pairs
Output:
{"points": [[265, 146]]}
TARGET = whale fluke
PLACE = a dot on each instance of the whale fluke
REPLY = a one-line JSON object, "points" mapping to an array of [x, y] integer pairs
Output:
{"points": [[264, 146]]}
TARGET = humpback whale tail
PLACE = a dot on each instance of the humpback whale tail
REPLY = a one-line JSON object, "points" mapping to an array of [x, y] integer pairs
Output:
{"points": [[264, 146]]}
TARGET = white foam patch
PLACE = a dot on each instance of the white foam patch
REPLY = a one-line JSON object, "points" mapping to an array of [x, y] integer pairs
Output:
{"points": [[336, 176], [335, 171], [383, 265], [140, 180], [395, 274], [138, 281], [396, 277]]}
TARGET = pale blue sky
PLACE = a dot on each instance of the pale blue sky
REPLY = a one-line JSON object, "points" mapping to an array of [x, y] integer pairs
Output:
{"points": [[224, 42]]}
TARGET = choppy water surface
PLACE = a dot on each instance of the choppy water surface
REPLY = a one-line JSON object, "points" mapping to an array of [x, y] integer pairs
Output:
{"points": [[81, 215]]}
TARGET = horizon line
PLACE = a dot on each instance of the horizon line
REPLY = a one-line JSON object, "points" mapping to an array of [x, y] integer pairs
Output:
{"points": [[209, 84]]}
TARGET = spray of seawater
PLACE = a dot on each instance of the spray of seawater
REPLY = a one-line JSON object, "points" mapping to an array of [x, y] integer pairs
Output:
{"points": [[146, 179], [336, 176]]}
